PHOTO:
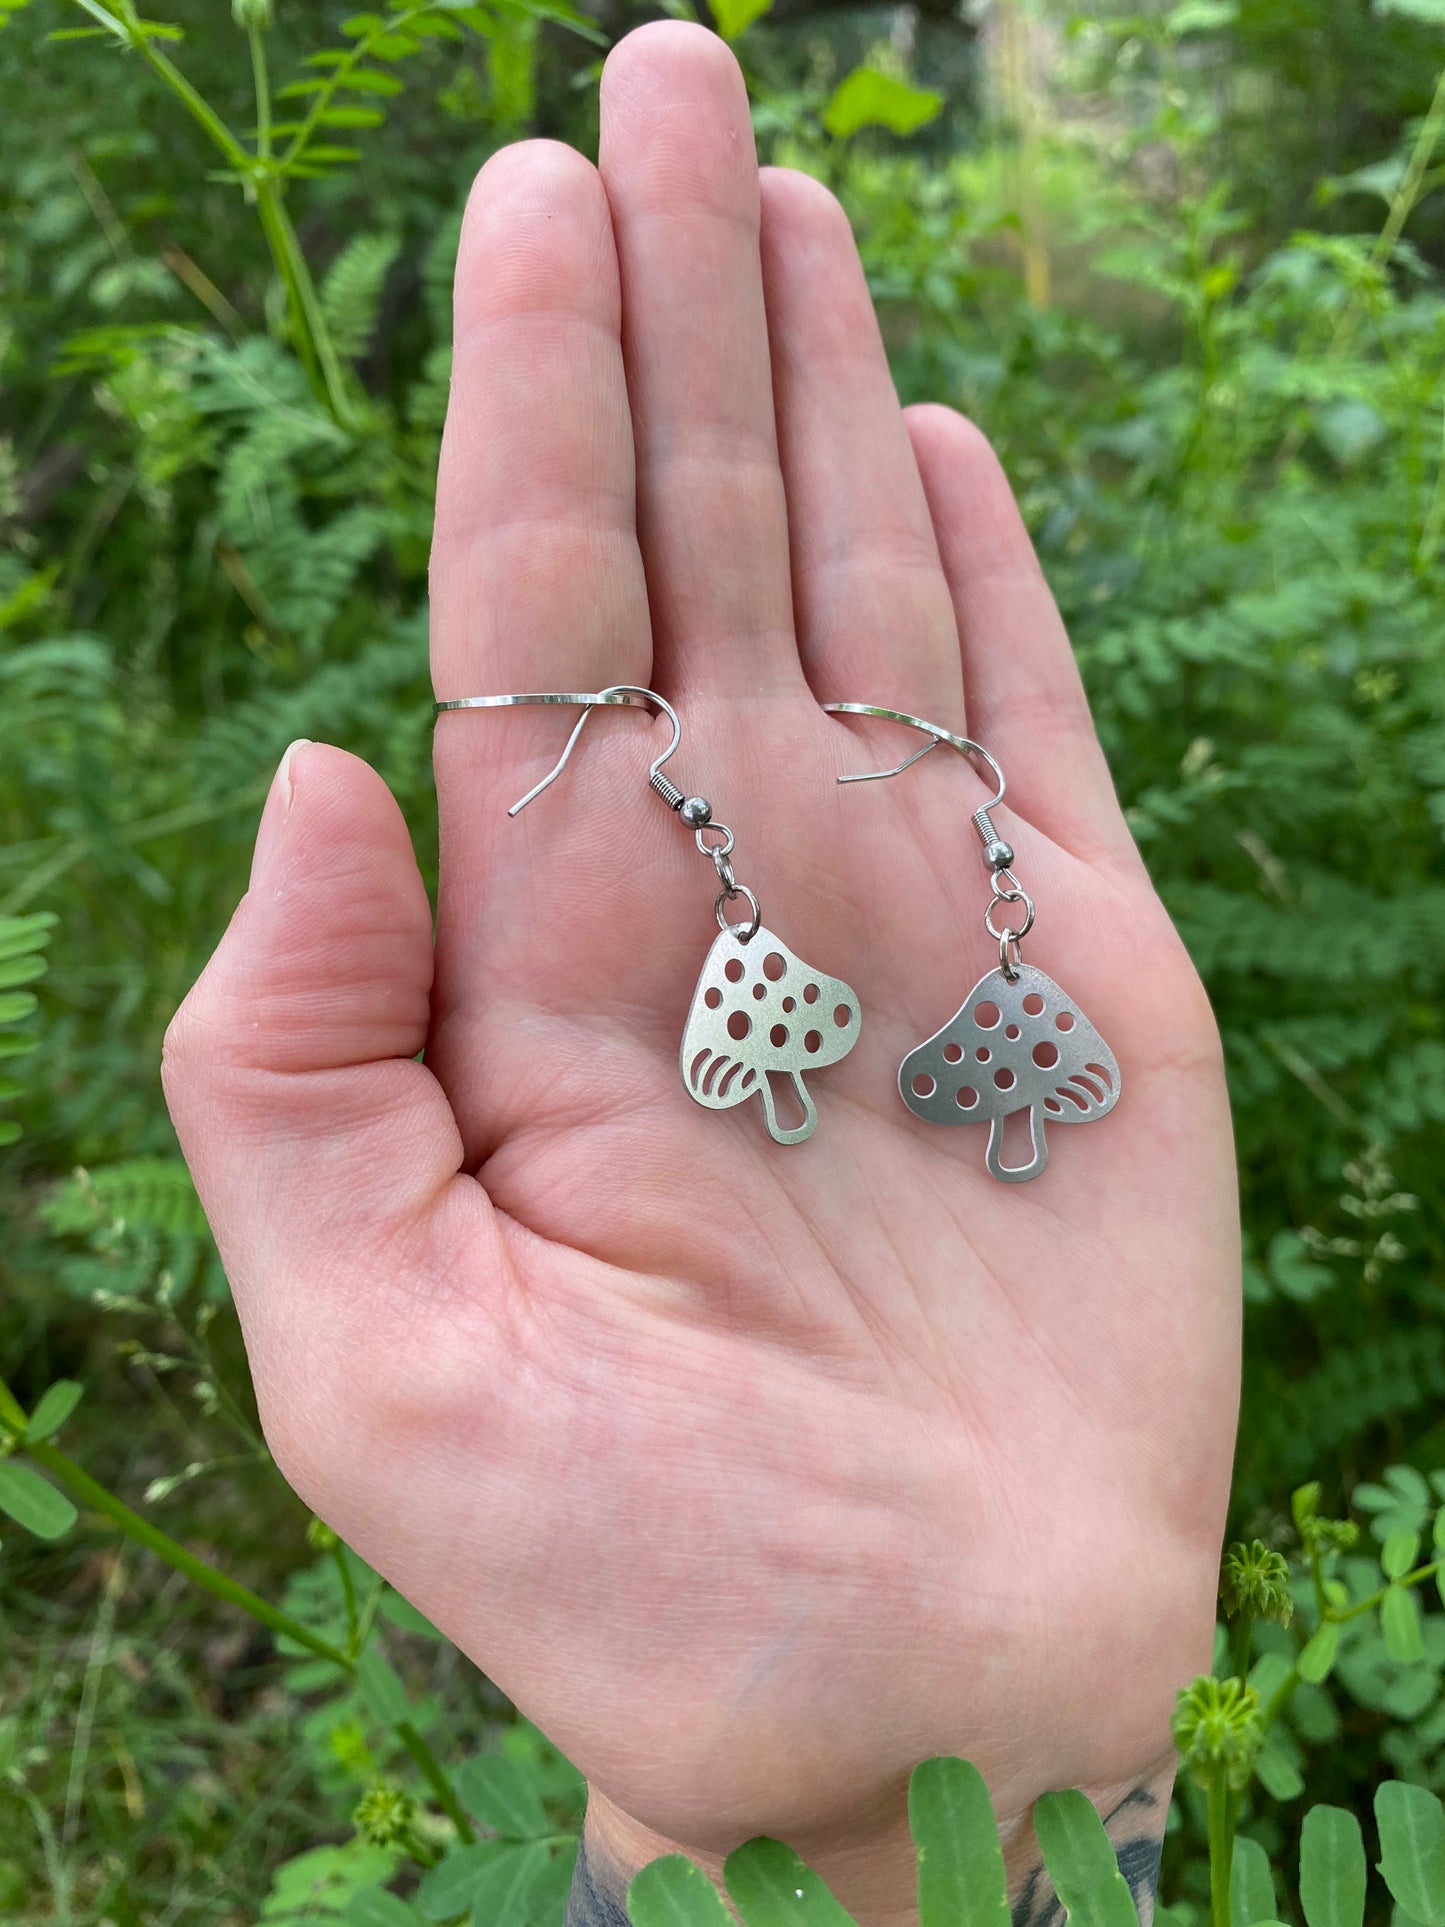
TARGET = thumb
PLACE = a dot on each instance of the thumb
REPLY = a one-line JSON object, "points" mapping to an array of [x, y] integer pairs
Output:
{"points": [[319, 1146]]}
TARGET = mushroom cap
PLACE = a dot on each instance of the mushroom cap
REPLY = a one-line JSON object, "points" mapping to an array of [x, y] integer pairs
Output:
{"points": [[758, 1008], [1014, 1046]]}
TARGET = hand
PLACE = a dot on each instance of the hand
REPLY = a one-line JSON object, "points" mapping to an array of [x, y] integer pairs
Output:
{"points": [[754, 1475]]}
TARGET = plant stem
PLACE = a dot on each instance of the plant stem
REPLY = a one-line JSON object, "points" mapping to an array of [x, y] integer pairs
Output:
{"points": [[195, 104], [262, 81], [1407, 195], [348, 1593], [337, 78], [261, 178], [307, 317], [1415, 1578], [13, 1415], [14, 1419], [436, 1779], [310, 321], [1241, 1636], [1280, 1697], [369, 1611], [92, 1493], [1221, 1849]]}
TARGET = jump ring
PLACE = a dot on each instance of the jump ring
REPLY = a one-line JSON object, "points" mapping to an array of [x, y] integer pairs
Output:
{"points": [[1028, 922], [744, 932], [1010, 954]]}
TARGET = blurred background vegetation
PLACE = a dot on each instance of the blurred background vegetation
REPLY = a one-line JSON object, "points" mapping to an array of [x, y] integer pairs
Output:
{"points": [[1183, 263]]}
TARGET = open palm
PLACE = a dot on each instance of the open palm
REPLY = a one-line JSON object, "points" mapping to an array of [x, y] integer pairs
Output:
{"points": [[754, 1474]]}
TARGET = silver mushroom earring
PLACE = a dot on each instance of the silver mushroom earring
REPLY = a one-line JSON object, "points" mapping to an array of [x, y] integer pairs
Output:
{"points": [[1018, 1043], [758, 1010]]}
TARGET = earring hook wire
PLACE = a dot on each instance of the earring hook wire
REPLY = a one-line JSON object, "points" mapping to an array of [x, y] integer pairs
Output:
{"points": [[620, 695], [965, 745], [634, 696]]}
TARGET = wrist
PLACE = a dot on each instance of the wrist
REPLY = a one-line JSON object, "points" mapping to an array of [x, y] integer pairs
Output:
{"points": [[873, 1872]]}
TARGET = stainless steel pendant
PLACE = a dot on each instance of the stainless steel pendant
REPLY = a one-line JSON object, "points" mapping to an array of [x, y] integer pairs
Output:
{"points": [[758, 1012], [1019, 1043]]}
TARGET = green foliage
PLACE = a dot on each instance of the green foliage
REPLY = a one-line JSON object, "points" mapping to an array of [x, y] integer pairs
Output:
{"points": [[33, 1503], [1191, 284], [1331, 1869], [1081, 1862], [22, 963], [1412, 1849], [673, 1892], [866, 98], [961, 1881], [734, 17]]}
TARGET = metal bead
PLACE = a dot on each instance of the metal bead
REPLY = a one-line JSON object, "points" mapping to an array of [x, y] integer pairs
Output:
{"points": [[999, 856], [696, 811]]}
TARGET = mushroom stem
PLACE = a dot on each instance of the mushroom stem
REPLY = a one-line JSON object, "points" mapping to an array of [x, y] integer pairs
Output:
{"points": [[770, 1115], [1017, 1173]]}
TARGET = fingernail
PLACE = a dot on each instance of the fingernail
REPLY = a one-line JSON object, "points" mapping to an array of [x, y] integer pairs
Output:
{"points": [[273, 817]]}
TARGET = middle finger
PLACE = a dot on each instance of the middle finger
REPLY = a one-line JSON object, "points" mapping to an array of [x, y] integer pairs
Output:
{"points": [[680, 169]]}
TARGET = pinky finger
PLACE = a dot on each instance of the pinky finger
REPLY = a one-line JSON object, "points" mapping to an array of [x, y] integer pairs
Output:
{"points": [[1024, 697]]}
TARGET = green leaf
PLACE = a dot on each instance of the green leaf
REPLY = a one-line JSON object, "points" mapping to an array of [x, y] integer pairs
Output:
{"points": [[55, 1406], [383, 1692], [547, 1899], [1400, 1623], [502, 1896], [1412, 1849], [1082, 1863], [15, 1004], [21, 935], [771, 1887], [866, 98], [1318, 1657], [1277, 1769], [1331, 1869], [961, 1880], [1399, 1553], [503, 1796], [323, 1880], [1202, 16], [33, 1502], [405, 1617], [378, 1907], [672, 1892], [1430, 11], [342, 116], [15, 971], [735, 16], [370, 80], [1350, 430], [446, 1889], [1251, 1884]]}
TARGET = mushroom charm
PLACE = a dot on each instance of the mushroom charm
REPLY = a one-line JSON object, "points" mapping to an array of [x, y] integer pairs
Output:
{"points": [[758, 1009], [1017, 1044]]}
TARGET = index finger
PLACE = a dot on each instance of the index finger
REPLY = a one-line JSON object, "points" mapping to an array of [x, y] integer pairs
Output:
{"points": [[537, 579]]}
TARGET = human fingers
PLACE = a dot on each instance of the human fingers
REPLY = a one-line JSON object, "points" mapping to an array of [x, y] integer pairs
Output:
{"points": [[872, 605], [1024, 693], [321, 1150], [680, 169]]}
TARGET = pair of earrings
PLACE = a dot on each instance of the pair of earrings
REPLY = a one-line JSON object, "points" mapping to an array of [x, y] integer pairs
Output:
{"points": [[759, 1011]]}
